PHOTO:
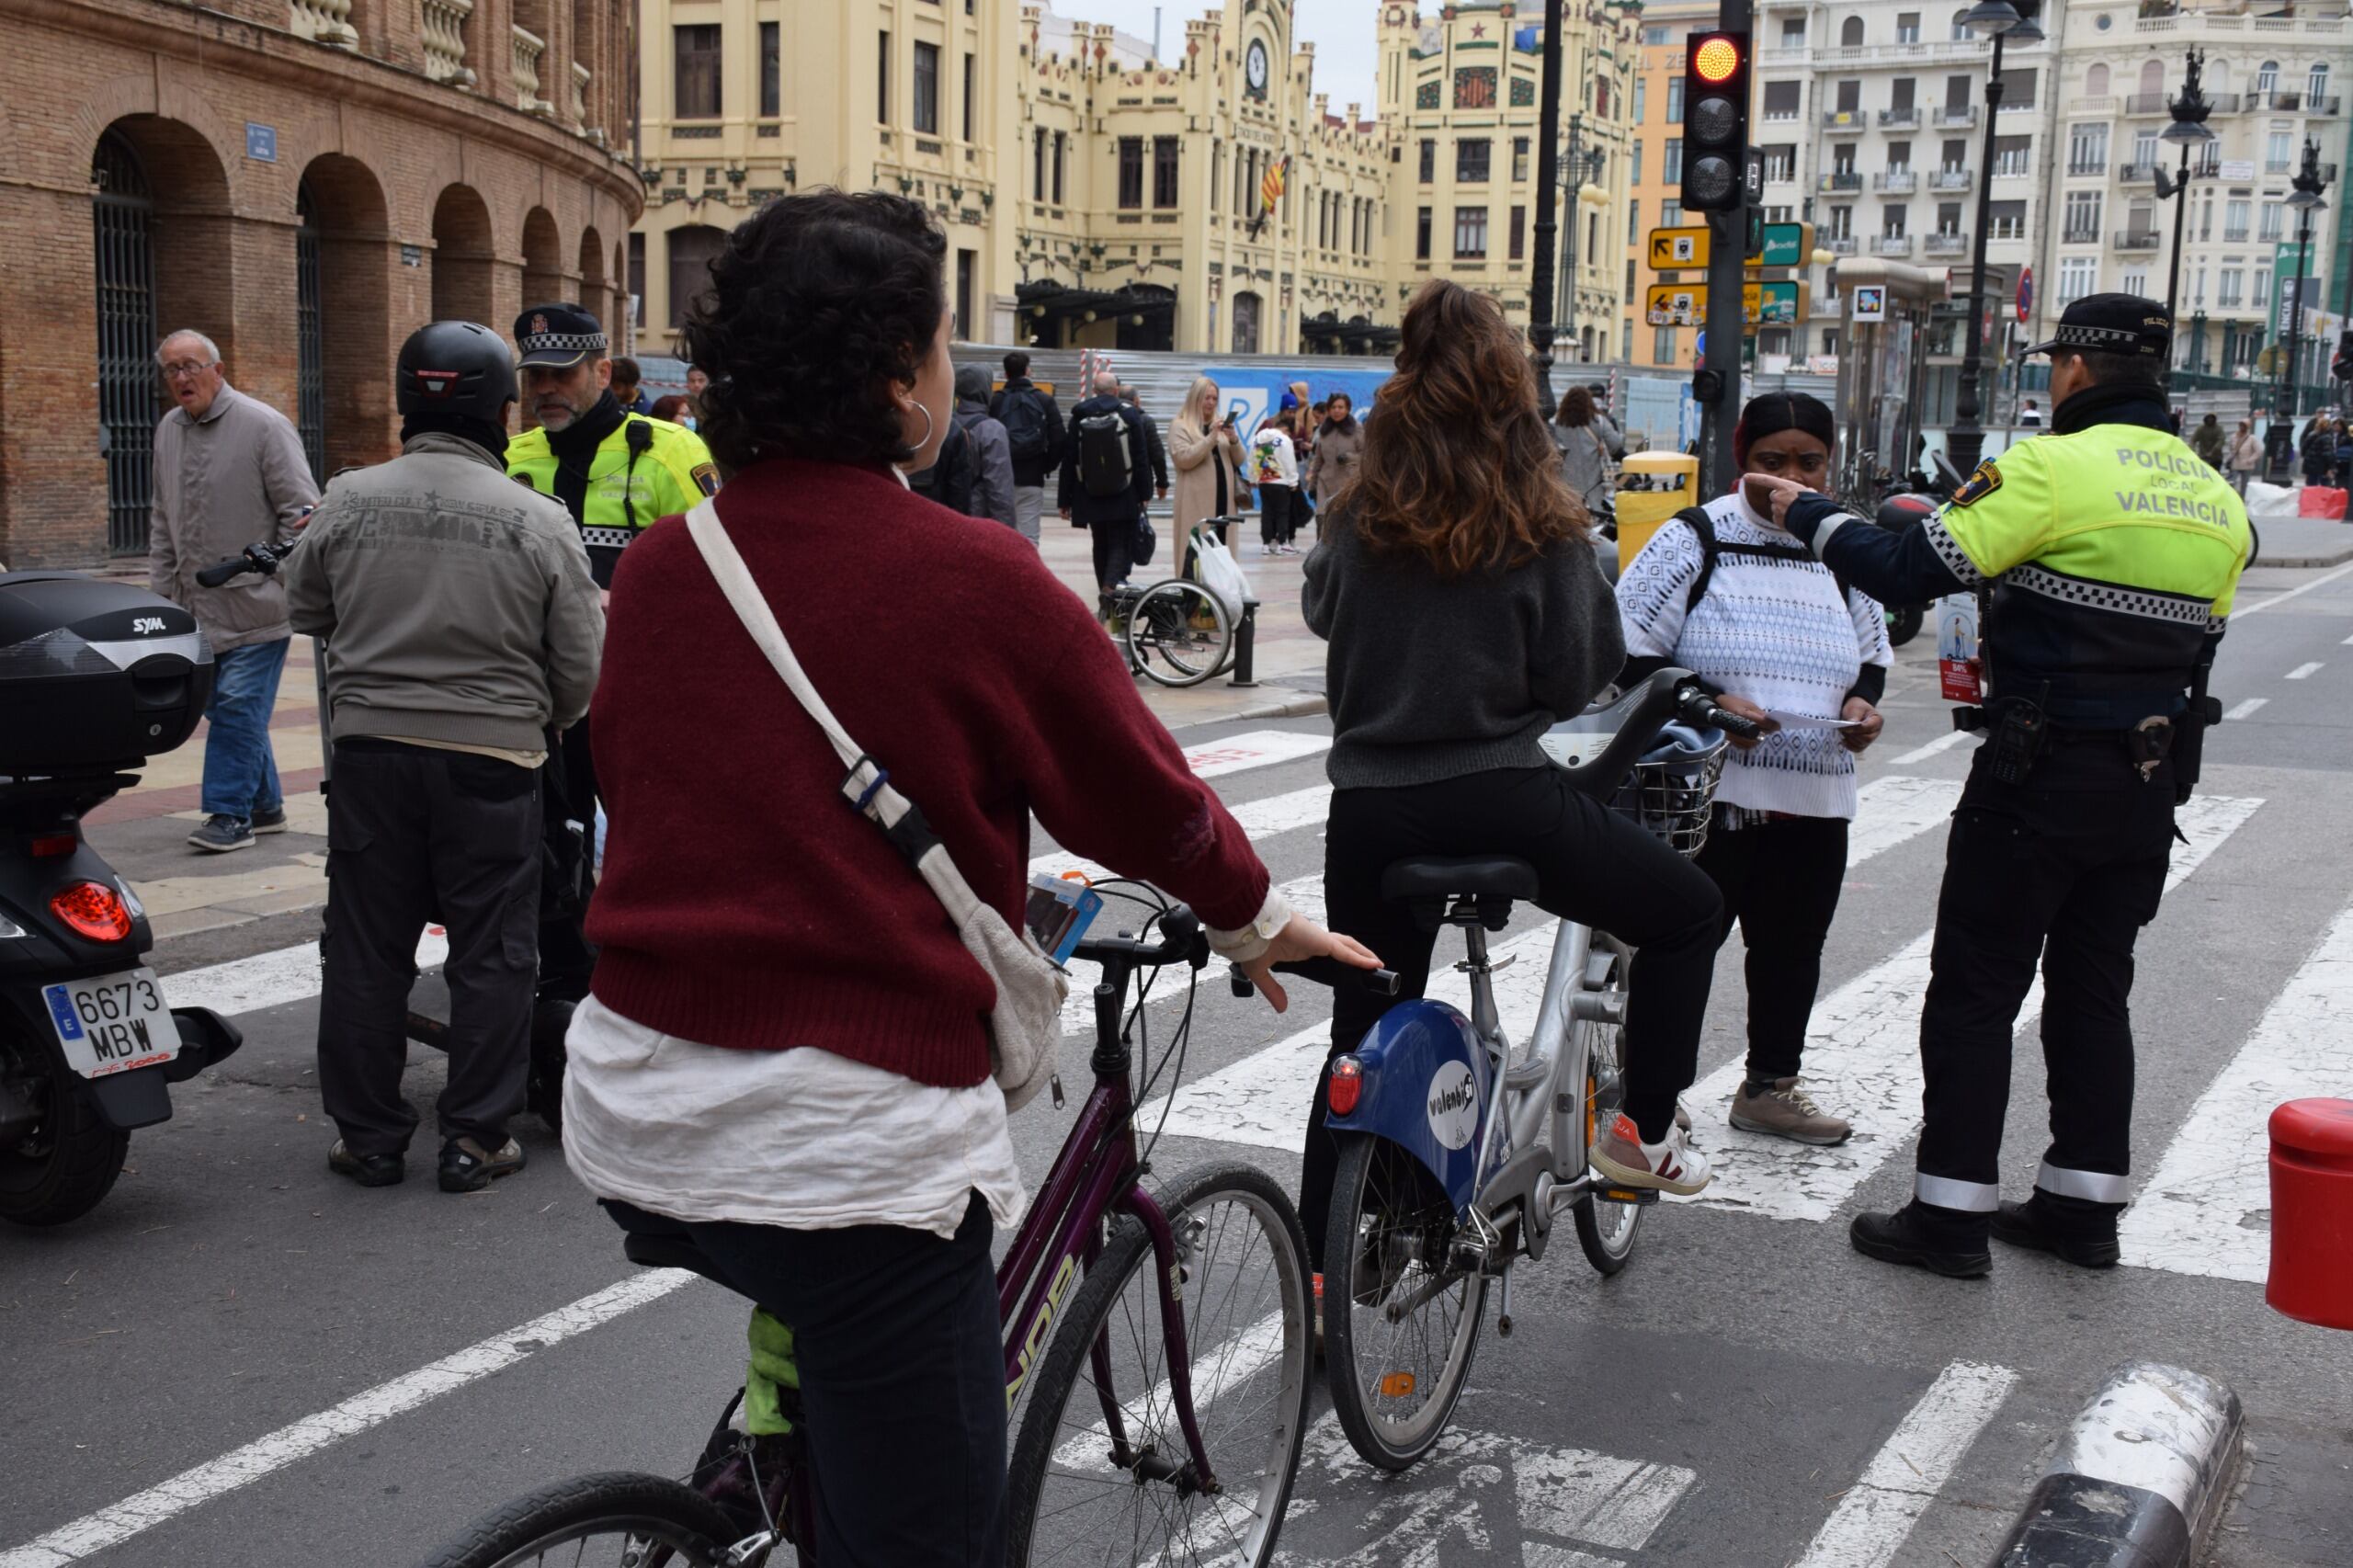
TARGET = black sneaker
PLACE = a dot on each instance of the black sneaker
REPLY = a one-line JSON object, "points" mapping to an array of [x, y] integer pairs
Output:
{"points": [[1903, 1237], [270, 821], [221, 834], [367, 1170], [2026, 1225], [466, 1169]]}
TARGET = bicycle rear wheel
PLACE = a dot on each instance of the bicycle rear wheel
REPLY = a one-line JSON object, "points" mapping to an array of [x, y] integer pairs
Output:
{"points": [[1075, 1496], [1401, 1322], [645, 1522], [1179, 634], [1605, 1230]]}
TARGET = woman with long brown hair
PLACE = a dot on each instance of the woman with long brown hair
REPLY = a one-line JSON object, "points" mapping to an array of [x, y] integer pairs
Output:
{"points": [[1456, 582]]}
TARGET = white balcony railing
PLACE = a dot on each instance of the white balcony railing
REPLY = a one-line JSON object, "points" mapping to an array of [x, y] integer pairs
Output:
{"points": [[528, 49], [1891, 245], [580, 79], [445, 41], [324, 21]]}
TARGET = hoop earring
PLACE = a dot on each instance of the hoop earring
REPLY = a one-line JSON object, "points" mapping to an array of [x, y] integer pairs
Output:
{"points": [[926, 426]]}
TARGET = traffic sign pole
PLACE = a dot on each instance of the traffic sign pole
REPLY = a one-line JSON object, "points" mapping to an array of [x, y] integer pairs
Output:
{"points": [[1726, 274]]}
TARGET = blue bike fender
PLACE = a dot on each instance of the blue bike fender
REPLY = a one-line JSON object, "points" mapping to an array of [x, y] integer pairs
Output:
{"points": [[1424, 1090]]}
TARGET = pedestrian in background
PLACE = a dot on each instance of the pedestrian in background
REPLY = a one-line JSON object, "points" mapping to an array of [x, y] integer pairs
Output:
{"points": [[1105, 481], [992, 494], [2208, 443], [229, 473], [1274, 470], [1302, 425], [697, 382], [1033, 433], [2318, 449], [628, 390], [1208, 453], [1338, 444], [2031, 417], [1584, 451], [466, 630], [2343, 474], [674, 410], [948, 479], [2246, 456], [1604, 426], [1158, 456]]}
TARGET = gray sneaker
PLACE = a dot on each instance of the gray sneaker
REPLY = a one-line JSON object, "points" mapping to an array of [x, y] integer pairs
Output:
{"points": [[221, 834], [1786, 1110], [269, 820]]}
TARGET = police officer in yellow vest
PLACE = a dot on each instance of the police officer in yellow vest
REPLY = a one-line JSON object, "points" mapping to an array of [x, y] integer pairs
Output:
{"points": [[616, 472], [2105, 555]]}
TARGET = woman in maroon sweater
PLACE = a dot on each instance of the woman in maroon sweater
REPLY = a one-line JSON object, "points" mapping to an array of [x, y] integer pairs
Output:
{"points": [[785, 1046]]}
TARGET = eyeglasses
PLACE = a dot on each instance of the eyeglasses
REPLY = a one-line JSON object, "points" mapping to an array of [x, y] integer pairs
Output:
{"points": [[185, 367]]}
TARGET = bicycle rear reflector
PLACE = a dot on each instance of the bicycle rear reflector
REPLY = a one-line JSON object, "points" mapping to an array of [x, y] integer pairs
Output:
{"points": [[1347, 1086]]}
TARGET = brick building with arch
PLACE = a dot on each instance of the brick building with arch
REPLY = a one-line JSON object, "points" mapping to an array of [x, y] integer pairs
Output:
{"points": [[305, 182]]}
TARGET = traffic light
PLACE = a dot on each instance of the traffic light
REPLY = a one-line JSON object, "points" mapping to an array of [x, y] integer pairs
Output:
{"points": [[1715, 122], [2342, 365]]}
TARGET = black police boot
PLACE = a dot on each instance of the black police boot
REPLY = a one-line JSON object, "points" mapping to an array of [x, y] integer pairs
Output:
{"points": [[1922, 1239], [2085, 1239], [367, 1170]]}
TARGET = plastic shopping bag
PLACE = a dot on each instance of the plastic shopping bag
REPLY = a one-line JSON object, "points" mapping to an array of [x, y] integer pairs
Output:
{"points": [[1219, 572]]}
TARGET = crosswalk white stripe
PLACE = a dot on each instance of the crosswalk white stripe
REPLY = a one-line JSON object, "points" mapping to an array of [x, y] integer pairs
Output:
{"points": [[1253, 748], [2243, 709], [1259, 819], [1862, 1056], [2304, 672], [2206, 1208], [273, 978], [1876, 1515], [1263, 1098], [1922, 753]]}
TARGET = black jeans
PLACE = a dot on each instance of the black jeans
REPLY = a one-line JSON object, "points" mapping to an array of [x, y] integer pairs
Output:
{"points": [[1115, 544], [416, 836], [902, 1379], [2066, 868], [1779, 882], [1276, 524], [1592, 865]]}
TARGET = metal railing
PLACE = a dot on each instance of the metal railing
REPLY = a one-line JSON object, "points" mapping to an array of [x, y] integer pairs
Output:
{"points": [[1946, 244], [1947, 117], [2147, 103], [2137, 173], [1951, 179], [1841, 245], [1899, 117], [1891, 245], [2136, 239], [1844, 120], [1840, 179], [1901, 181], [2079, 235]]}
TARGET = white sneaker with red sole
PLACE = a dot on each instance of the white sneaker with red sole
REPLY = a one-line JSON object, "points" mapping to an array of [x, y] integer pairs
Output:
{"points": [[1673, 1166]]}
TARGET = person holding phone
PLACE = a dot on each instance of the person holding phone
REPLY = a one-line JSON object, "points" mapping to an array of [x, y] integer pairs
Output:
{"points": [[1206, 452], [1732, 595]]}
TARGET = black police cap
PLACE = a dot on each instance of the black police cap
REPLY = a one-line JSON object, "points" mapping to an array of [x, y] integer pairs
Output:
{"points": [[2112, 323], [557, 336]]}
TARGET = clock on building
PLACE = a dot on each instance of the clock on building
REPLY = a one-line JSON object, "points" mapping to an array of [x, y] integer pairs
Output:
{"points": [[1253, 67]]}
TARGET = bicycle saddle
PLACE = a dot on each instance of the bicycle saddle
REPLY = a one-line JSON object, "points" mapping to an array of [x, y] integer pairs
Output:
{"points": [[1428, 882], [656, 1241]]}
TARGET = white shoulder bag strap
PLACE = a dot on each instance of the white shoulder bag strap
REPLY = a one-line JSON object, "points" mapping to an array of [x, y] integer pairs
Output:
{"points": [[867, 787]]}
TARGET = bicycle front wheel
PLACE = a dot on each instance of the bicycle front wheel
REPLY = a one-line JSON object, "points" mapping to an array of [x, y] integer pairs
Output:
{"points": [[1100, 1471], [1401, 1321], [1605, 1229], [1179, 634], [614, 1517]]}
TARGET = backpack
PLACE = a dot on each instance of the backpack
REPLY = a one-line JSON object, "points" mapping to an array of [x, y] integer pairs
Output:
{"points": [[1703, 528], [1024, 416], [1103, 459], [950, 479]]}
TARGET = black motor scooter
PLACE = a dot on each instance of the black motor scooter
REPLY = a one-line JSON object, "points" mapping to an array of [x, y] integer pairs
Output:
{"points": [[94, 678]]}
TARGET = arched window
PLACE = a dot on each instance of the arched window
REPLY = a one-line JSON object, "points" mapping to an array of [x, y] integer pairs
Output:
{"points": [[2153, 78], [1851, 33], [1245, 323], [2267, 78], [2317, 85], [1960, 26], [2095, 82]]}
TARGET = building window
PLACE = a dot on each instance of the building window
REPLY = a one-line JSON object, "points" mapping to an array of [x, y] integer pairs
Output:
{"points": [[771, 70], [926, 117], [1634, 160], [2234, 286], [1907, 27], [1675, 100], [2083, 216], [1670, 214], [1131, 172], [696, 53], [1842, 222], [1163, 171], [1793, 33], [637, 279], [1634, 223], [1641, 98], [2017, 89], [1245, 323], [967, 264], [2235, 222], [1422, 235], [2269, 226], [1519, 157], [2078, 275], [1470, 233], [1782, 161], [1429, 159], [692, 250], [971, 81], [2278, 150], [1037, 164], [1061, 157], [1662, 346], [1518, 233], [1851, 33], [1471, 160], [2262, 295], [882, 80], [1891, 221], [1673, 171], [1782, 99], [1217, 177], [2267, 78], [2013, 155], [2087, 150], [2006, 219]]}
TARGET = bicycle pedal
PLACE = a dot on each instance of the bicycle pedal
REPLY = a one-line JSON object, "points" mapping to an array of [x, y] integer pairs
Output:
{"points": [[1641, 1195]]}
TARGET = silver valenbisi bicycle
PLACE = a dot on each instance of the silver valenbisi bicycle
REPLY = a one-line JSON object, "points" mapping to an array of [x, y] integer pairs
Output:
{"points": [[1456, 1153]]}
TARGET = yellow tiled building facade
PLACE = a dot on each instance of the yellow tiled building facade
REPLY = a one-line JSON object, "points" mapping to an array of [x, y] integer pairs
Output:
{"points": [[1095, 195]]}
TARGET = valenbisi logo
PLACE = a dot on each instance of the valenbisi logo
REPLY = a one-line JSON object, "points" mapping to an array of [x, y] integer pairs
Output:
{"points": [[1453, 1104]]}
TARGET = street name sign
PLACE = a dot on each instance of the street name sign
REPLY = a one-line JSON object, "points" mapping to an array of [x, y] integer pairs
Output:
{"points": [[1779, 303]]}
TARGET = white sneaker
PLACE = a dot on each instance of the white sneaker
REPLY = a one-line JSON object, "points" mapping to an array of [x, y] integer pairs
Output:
{"points": [[1670, 1166]]}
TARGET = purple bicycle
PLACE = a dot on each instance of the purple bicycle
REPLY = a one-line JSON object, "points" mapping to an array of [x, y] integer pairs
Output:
{"points": [[1158, 1353]]}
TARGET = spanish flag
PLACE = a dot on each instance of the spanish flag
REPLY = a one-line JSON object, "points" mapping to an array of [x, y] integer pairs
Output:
{"points": [[1270, 187]]}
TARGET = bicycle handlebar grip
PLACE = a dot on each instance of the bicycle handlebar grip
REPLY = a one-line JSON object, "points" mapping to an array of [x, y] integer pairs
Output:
{"points": [[220, 572], [1732, 723], [1332, 973]]}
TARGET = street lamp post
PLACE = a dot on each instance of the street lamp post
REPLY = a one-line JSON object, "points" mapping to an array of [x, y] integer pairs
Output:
{"points": [[2189, 129], [1548, 177], [1584, 166], [2281, 438], [1965, 442]]}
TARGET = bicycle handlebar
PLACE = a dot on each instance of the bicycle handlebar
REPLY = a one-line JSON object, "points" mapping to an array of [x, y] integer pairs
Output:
{"points": [[260, 558], [1696, 706], [1181, 941], [1323, 971]]}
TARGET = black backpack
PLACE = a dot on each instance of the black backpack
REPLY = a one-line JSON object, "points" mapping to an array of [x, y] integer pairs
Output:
{"points": [[1024, 413], [1104, 461], [1703, 526], [950, 479]]}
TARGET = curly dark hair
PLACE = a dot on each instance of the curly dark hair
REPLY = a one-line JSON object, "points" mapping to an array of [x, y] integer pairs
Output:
{"points": [[819, 302]]}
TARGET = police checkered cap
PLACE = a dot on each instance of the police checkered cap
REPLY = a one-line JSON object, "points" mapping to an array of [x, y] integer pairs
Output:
{"points": [[557, 335], [2112, 323]]}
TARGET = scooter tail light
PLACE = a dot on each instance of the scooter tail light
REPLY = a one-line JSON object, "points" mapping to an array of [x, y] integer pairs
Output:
{"points": [[55, 845], [1347, 1086], [95, 910]]}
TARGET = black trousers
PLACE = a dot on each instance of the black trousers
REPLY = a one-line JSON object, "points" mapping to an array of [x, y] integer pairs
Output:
{"points": [[1276, 520], [1779, 882], [1592, 865], [901, 1378], [1115, 543], [2066, 868], [416, 836], [566, 960]]}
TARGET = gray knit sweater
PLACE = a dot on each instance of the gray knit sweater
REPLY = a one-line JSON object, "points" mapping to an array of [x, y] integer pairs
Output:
{"points": [[1432, 678]]}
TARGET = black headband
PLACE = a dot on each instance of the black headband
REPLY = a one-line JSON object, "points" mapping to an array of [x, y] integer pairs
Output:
{"points": [[1773, 413]]}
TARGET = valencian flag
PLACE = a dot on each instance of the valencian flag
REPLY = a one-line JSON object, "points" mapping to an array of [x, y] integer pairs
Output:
{"points": [[1270, 191]]}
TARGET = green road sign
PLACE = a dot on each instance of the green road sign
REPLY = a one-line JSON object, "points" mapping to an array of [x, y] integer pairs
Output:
{"points": [[1781, 303], [1783, 244]]}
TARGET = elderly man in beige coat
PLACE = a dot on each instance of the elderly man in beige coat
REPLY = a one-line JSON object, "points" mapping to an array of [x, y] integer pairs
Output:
{"points": [[229, 473]]}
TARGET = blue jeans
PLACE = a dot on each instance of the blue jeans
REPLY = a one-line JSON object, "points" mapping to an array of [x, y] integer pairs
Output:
{"points": [[239, 774]]}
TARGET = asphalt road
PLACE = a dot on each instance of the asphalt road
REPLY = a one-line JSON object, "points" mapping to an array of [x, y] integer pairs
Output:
{"points": [[383, 1365]]}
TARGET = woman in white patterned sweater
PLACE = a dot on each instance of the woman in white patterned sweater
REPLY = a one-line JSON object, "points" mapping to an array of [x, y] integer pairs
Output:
{"points": [[1777, 632]]}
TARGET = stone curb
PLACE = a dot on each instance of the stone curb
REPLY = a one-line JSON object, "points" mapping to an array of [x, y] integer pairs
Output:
{"points": [[2140, 1478], [2339, 558]]}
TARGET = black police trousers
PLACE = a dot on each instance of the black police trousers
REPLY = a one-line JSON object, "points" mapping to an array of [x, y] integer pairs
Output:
{"points": [[2065, 868], [415, 835]]}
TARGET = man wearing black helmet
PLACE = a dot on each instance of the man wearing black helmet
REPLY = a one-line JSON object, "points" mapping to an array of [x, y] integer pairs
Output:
{"points": [[464, 626]]}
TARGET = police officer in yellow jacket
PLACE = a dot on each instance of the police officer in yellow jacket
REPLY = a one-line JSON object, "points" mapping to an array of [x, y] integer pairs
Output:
{"points": [[2105, 555], [615, 472]]}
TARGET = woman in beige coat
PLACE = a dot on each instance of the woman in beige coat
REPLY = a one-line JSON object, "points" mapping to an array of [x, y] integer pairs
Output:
{"points": [[1208, 455]]}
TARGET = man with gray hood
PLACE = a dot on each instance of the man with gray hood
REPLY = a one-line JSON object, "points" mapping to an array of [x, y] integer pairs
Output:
{"points": [[464, 630], [992, 451]]}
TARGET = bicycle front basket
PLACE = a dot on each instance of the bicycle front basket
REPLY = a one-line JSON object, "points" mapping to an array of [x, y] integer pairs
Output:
{"points": [[1672, 796]]}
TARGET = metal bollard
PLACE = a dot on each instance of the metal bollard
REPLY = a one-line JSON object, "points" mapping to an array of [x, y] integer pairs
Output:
{"points": [[1246, 638]]}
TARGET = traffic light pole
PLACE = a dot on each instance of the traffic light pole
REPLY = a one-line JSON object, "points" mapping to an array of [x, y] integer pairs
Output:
{"points": [[1720, 367], [1548, 175]]}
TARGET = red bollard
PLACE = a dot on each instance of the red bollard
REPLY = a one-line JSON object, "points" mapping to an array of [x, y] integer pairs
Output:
{"points": [[2312, 1212]]}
